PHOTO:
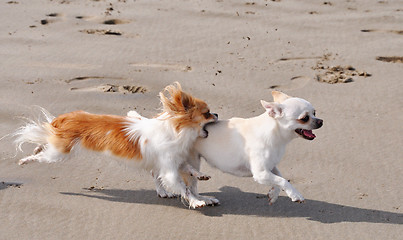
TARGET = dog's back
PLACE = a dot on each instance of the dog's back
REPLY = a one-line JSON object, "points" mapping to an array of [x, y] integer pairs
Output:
{"points": [[94, 132], [224, 148]]}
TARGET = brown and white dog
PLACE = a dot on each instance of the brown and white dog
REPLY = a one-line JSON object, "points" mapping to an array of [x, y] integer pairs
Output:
{"points": [[160, 145]]}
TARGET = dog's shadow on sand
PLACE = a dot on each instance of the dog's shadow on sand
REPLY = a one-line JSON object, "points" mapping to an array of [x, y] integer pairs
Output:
{"points": [[235, 202]]}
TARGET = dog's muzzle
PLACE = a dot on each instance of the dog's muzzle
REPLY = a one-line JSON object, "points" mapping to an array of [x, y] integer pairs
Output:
{"points": [[318, 123], [308, 134], [215, 119], [215, 116]]}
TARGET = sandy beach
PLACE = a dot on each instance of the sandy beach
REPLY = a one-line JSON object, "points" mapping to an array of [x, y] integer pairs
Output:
{"points": [[109, 57]]}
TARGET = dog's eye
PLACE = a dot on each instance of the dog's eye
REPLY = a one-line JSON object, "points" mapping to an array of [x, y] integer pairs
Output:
{"points": [[305, 119], [314, 113], [207, 114]]}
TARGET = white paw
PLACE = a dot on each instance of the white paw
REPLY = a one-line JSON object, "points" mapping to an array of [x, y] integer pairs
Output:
{"points": [[195, 203], [273, 195], [296, 197], [162, 193], [26, 160]]}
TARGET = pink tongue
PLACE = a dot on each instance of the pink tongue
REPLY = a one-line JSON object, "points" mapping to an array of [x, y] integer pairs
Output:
{"points": [[308, 133]]}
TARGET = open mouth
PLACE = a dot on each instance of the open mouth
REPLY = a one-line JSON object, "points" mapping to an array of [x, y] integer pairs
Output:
{"points": [[205, 132], [212, 121], [306, 134], [204, 128]]}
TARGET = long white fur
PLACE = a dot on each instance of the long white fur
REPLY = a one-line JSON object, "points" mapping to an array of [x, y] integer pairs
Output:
{"points": [[32, 131]]}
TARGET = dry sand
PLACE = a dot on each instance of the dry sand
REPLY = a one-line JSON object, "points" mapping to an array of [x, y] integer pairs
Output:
{"points": [[115, 56]]}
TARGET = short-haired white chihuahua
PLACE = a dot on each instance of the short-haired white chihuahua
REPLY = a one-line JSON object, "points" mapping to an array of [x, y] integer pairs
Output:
{"points": [[253, 147]]}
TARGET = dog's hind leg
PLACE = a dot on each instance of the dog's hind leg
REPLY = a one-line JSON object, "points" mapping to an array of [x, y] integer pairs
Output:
{"points": [[193, 166], [48, 154], [28, 159], [187, 172], [39, 149], [34, 157], [159, 187], [172, 181]]}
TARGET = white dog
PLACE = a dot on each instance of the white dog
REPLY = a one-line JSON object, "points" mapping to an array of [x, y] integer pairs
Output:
{"points": [[253, 147], [160, 145]]}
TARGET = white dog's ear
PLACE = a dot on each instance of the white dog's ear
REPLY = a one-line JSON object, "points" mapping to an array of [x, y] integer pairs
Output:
{"points": [[279, 97], [273, 109]]}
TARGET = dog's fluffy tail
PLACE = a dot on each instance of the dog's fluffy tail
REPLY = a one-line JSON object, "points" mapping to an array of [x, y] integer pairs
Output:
{"points": [[33, 131]]}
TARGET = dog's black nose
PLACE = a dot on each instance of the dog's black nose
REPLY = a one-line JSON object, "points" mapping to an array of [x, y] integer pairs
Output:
{"points": [[319, 122], [215, 114]]}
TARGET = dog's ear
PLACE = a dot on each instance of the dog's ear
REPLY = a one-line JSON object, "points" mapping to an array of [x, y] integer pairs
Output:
{"points": [[279, 97], [274, 110], [187, 101]]}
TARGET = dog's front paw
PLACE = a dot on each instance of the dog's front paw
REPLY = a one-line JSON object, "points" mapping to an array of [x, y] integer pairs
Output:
{"points": [[297, 197], [162, 193], [203, 177], [167, 195], [196, 203], [273, 195], [294, 194]]}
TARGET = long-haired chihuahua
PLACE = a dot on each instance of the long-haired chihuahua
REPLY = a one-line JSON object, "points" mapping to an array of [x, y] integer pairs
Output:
{"points": [[160, 145]]}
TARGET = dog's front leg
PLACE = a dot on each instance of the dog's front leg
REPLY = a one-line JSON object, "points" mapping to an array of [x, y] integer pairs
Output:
{"points": [[275, 190], [172, 181], [264, 176], [193, 173], [189, 175], [161, 191], [190, 170]]}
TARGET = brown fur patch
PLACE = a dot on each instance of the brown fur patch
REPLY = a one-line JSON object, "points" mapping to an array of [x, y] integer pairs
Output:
{"points": [[94, 132], [186, 110]]}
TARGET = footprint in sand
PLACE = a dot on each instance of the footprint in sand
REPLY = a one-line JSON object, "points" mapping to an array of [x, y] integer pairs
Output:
{"points": [[113, 88], [4, 185], [55, 17], [115, 21], [298, 81], [297, 58], [339, 74], [106, 21], [295, 83], [102, 32], [336, 74], [400, 32], [91, 78], [51, 18], [390, 59], [164, 67], [106, 87]]}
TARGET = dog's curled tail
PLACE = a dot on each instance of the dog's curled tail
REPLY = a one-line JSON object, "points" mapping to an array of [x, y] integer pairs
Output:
{"points": [[33, 131]]}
